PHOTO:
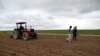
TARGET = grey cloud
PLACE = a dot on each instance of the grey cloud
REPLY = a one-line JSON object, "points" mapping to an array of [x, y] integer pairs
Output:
{"points": [[37, 21], [48, 3], [53, 6], [82, 6], [12, 11]]}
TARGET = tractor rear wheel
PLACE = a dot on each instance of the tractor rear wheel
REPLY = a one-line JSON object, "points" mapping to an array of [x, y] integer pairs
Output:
{"points": [[25, 36], [16, 34]]}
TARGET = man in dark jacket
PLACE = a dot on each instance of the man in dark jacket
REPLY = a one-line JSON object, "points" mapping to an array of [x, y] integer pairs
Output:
{"points": [[75, 33]]}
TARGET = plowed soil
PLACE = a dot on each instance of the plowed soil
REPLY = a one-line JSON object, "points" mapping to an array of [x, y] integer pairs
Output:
{"points": [[49, 45]]}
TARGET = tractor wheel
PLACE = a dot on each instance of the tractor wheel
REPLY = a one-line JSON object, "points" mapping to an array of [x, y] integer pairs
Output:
{"points": [[25, 36], [16, 34]]}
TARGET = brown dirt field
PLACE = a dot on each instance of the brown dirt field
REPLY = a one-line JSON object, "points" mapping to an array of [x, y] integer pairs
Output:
{"points": [[49, 45]]}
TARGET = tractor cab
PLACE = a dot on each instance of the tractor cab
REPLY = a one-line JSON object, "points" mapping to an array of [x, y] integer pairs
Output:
{"points": [[21, 25]]}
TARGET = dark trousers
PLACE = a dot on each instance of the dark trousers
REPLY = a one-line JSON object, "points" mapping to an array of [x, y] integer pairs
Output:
{"points": [[74, 36]]}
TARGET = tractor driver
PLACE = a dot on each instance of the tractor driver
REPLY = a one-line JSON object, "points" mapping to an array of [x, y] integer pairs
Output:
{"points": [[21, 29]]}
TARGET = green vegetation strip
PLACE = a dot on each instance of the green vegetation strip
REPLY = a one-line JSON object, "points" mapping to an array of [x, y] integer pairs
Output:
{"points": [[90, 32], [87, 32]]}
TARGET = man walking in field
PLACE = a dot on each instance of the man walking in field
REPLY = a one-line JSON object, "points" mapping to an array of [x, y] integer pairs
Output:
{"points": [[75, 33], [68, 40]]}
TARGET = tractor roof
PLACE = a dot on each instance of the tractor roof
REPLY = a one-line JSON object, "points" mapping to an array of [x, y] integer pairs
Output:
{"points": [[21, 23]]}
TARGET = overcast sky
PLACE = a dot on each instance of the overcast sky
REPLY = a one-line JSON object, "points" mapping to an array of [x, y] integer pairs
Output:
{"points": [[50, 14]]}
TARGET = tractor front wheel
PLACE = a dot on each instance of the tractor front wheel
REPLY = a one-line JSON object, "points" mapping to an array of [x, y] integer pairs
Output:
{"points": [[16, 34], [25, 36]]}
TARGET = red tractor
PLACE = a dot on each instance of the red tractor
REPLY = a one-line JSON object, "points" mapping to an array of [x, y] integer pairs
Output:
{"points": [[23, 32]]}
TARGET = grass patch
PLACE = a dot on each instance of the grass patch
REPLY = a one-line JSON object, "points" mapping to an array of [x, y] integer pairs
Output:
{"points": [[91, 32]]}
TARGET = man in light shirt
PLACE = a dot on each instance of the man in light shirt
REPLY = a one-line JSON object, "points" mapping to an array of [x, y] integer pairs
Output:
{"points": [[68, 40]]}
